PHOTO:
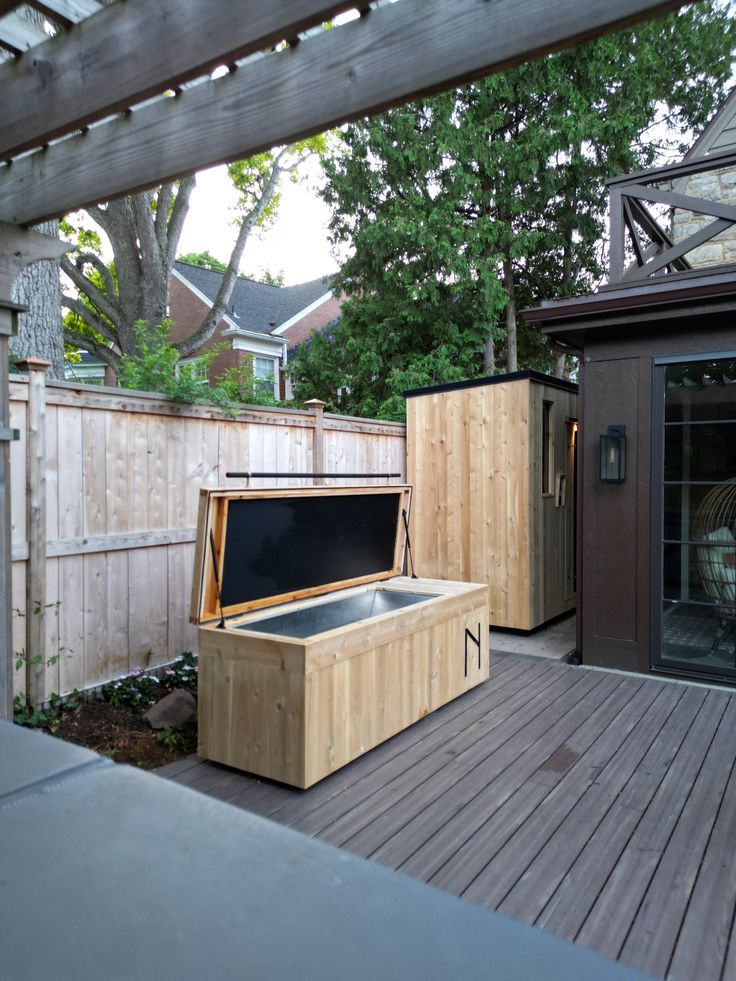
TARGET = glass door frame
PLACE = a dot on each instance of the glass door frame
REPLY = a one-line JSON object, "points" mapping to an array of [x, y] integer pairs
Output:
{"points": [[656, 476]]}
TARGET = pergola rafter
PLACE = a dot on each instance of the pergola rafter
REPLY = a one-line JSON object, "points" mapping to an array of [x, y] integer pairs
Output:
{"points": [[128, 52]]}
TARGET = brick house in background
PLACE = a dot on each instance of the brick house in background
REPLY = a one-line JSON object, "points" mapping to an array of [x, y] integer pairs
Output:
{"points": [[263, 323]]}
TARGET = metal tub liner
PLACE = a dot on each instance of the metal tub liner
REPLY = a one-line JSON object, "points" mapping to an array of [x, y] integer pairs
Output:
{"points": [[321, 617]]}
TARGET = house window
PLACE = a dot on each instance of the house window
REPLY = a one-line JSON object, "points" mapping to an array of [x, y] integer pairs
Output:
{"points": [[264, 374], [548, 455], [196, 368]]}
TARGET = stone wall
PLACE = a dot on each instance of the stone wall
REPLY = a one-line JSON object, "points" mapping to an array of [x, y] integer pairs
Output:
{"points": [[716, 185]]}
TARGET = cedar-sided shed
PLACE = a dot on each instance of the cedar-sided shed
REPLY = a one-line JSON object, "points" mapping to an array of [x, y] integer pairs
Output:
{"points": [[492, 464]]}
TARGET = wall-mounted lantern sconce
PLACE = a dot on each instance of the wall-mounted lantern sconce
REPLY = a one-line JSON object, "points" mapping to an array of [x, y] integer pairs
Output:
{"points": [[613, 455]]}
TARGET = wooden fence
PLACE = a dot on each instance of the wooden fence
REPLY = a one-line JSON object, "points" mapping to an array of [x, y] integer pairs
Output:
{"points": [[104, 488]]}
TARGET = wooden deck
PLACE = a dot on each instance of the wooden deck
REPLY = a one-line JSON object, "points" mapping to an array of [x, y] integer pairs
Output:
{"points": [[598, 806]]}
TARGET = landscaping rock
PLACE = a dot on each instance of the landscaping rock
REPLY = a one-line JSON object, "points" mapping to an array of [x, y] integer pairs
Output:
{"points": [[175, 710]]}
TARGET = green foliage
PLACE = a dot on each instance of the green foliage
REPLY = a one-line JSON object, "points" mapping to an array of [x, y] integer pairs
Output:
{"points": [[139, 690], [156, 368], [241, 387], [451, 207], [265, 276], [252, 177], [43, 717], [204, 260], [153, 369], [84, 239], [172, 738], [24, 711]]}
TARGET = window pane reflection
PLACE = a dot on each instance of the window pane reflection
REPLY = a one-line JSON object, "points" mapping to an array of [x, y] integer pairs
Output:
{"points": [[697, 638], [699, 518]]}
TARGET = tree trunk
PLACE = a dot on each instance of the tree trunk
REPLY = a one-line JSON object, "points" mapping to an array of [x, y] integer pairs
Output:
{"points": [[511, 355], [489, 355], [560, 365], [40, 332]]}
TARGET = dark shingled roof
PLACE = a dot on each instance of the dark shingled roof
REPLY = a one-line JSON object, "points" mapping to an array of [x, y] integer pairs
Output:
{"points": [[255, 306]]}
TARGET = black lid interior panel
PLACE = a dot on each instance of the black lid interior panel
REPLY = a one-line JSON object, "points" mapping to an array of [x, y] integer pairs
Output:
{"points": [[282, 545]]}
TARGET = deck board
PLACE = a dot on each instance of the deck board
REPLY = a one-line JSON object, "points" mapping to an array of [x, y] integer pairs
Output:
{"points": [[596, 805], [635, 837]]}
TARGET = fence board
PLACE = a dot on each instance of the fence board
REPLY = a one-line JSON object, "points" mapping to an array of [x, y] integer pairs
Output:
{"points": [[71, 622], [53, 641], [138, 472], [146, 605], [18, 463], [157, 473], [71, 474], [116, 471], [18, 576], [175, 462], [123, 475], [182, 634]]}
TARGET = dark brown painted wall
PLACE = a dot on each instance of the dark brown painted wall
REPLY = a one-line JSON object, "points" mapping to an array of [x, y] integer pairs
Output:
{"points": [[615, 565]]}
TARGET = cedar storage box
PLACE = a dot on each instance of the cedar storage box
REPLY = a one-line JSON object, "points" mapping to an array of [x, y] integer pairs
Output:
{"points": [[313, 648]]}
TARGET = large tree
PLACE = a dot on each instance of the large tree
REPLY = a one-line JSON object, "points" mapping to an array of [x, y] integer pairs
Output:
{"points": [[460, 210], [111, 300]]}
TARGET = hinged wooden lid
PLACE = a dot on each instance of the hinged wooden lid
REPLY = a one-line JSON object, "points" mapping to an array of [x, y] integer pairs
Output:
{"points": [[276, 545]]}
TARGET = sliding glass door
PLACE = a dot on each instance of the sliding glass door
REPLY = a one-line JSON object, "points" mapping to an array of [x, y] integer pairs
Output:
{"points": [[694, 516]]}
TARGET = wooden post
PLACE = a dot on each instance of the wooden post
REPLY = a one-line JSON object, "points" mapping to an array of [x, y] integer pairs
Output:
{"points": [[18, 248], [317, 406], [36, 525], [8, 318]]}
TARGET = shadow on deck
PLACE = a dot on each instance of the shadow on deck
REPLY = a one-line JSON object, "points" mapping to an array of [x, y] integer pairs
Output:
{"points": [[597, 806]]}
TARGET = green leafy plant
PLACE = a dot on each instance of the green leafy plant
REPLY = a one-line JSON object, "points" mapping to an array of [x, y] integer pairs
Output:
{"points": [[182, 673], [139, 690], [239, 385], [24, 711], [157, 368], [171, 738], [43, 717]]}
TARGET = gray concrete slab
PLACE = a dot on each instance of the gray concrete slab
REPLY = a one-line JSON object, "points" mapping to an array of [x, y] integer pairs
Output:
{"points": [[554, 641]]}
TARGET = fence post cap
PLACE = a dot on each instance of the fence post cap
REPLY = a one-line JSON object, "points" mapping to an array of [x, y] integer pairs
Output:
{"points": [[316, 403], [32, 364]]}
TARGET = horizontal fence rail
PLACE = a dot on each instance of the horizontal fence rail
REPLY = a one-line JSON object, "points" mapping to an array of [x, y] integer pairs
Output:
{"points": [[121, 474]]}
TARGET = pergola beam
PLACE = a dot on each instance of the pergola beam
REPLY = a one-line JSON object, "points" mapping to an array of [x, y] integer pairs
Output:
{"points": [[129, 51], [396, 53]]}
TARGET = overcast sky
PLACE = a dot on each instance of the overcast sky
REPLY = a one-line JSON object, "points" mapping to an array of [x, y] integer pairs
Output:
{"points": [[297, 245]]}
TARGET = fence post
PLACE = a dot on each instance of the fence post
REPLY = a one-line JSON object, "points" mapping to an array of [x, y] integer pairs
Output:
{"points": [[8, 320], [36, 529], [317, 406]]}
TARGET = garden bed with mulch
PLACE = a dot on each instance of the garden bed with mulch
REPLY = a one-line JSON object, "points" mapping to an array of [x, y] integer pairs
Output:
{"points": [[111, 721]]}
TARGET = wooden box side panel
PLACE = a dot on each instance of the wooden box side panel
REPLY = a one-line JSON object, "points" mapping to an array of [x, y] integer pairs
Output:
{"points": [[251, 712], [359, 702], [552, 515], [468, 457]]}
